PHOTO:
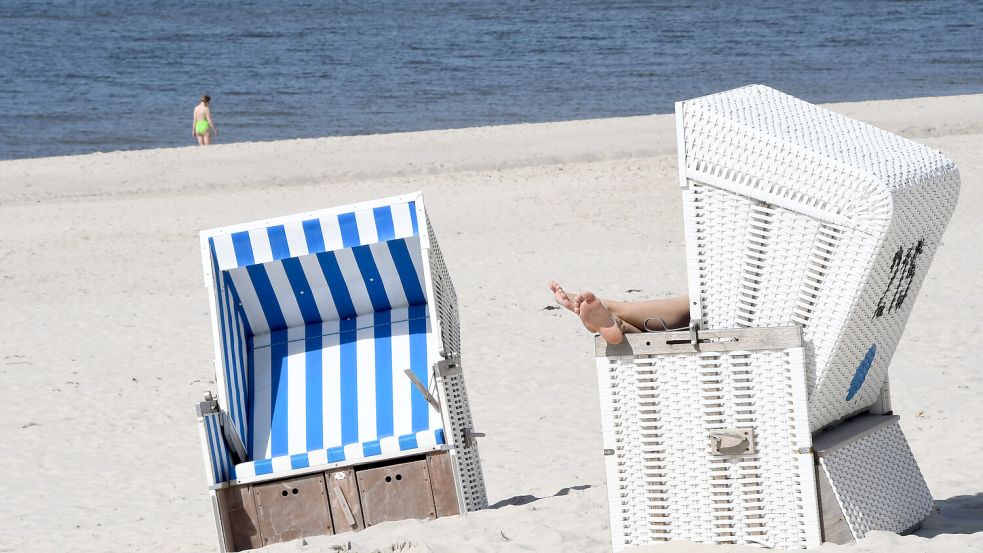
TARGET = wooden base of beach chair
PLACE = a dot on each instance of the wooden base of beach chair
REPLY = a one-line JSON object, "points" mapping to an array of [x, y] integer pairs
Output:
{"points": [[337, 501]]}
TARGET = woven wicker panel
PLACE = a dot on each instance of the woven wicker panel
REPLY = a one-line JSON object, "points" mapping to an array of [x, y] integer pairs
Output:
{"points": [[838, 143], [750, 263], [664, 482], [446, 298], [455, 398], [452, 388], [877, 483], [797, 215], [889, 286], [716, 259]]}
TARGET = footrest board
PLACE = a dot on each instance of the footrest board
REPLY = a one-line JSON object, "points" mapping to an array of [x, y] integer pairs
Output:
{"points": [[868, 479]]}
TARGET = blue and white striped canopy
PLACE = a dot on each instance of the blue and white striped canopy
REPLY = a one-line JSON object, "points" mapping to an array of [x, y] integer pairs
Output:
{"points": [[318, 317]]}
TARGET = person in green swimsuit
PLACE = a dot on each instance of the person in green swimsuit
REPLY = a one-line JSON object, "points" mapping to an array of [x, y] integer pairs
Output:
{"points": [[203, 127]]}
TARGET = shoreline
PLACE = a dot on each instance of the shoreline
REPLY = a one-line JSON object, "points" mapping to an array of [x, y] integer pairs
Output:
{"points": [[405, 154]]}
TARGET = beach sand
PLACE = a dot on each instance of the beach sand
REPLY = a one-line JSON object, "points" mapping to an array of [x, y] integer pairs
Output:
{"points": [[105, 343]]}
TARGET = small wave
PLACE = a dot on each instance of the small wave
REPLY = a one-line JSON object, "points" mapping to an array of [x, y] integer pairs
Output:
{"points": [[260, 34]]}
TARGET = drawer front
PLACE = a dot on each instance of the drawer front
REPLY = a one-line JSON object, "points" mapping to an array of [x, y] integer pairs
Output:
{"points": [[291, 509], [396, 492]]}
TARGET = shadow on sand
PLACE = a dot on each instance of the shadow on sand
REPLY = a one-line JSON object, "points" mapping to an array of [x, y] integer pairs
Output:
{"points": [[526, 499], [962, 514]]}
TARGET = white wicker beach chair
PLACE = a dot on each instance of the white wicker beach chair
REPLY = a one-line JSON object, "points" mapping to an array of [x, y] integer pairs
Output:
{"points": [[795, 216], [340, 400]]}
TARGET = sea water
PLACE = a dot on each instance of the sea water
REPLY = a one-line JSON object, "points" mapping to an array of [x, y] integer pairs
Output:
{"points": [[100, 75]]}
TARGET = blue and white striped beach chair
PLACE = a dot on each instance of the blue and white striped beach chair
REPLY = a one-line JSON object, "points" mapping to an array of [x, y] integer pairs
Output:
{"points": [[341, 401]]}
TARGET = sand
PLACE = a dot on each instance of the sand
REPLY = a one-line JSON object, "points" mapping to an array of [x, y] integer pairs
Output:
{"points": [[105, 342]]}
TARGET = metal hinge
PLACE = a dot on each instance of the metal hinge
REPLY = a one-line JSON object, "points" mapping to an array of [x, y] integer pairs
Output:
{"points": [[207, 407]]}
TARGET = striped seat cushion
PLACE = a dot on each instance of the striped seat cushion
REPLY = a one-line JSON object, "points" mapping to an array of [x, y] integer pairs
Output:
{"points": [[338, 390], [284, 464]]}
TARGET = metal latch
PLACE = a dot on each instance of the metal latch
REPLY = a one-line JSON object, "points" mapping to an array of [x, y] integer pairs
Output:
{"points": [[448, 367], [732, 441], [470, 437]]}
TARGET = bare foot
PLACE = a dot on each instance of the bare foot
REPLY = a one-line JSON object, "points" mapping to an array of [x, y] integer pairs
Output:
{"points": [[597, 318], [561, 296]]}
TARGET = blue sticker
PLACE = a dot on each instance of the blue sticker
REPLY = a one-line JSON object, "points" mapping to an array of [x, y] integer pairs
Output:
{"points": [[861, 374]]}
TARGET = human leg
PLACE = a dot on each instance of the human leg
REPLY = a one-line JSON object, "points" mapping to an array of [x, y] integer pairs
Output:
{"points": [[673, 311], [613, 319]]}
